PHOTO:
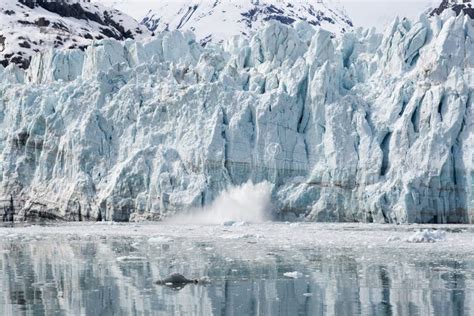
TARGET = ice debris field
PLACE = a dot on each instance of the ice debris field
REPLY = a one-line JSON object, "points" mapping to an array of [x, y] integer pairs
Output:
{"points": [[360, 238]]}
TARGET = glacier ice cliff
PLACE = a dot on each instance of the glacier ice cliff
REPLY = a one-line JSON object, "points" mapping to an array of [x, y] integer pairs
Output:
{"points": [[366, 127]]}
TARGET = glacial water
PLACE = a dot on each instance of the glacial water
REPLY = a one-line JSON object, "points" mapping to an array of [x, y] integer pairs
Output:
{"points": [[263, 269]]}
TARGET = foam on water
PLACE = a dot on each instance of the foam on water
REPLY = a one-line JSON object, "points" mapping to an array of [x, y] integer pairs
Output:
{"points": [[248, 202]]}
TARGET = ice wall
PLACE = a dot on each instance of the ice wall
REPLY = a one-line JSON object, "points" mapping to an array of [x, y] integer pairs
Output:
{"points": [[362, 128]]}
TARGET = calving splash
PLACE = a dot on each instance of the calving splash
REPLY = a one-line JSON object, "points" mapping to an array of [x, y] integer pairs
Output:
{"points": [[248, 202]]}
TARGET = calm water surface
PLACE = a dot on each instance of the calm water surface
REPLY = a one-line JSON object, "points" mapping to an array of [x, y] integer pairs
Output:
{"points": [[102, 275]]}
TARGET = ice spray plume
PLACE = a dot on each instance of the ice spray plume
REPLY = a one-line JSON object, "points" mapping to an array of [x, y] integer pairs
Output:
{"points": [[248, 203]]}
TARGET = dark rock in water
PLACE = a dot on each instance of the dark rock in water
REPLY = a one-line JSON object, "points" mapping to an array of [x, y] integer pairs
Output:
{"points": [[176, 281], [176, 278]]}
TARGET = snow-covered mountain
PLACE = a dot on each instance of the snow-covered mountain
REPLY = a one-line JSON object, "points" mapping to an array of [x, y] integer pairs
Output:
{"points": [[458, 6], [354, 128], [218, 20], [28, 26]]}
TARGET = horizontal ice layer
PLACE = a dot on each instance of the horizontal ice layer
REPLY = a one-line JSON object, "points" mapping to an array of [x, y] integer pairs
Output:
{"points": [[362, 128]]}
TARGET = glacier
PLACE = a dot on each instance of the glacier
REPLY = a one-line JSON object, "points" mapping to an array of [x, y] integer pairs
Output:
{"points": [[362, 128]]}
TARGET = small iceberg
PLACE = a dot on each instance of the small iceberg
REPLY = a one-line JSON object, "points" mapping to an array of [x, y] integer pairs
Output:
{"points": [[160, 240], [427, 236], [130, 259], [293, 275]]}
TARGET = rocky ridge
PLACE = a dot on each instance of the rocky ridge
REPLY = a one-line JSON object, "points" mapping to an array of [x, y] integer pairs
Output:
{"points": [[30, 26], [216, 21]]}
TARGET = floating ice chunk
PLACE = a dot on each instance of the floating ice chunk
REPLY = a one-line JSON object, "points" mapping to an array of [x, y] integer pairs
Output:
{"points": [[293, 275], [427, 236], [393, 238], [204, 280], [130, 258], [159, 240], [228, 223], [248, 236], [234, 223], [237, 224]]}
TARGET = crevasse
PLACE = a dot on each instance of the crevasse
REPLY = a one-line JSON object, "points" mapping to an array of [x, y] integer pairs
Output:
{"points": [[365, 127]]}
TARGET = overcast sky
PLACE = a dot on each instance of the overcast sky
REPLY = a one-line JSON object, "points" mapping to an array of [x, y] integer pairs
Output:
{"points": [[379, 13], [365, 13]]}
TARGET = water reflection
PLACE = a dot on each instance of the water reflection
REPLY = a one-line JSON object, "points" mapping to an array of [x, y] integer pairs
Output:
{"points": [[116, 276]]}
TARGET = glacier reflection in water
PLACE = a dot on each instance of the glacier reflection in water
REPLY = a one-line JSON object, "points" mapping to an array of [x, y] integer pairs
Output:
{"points": [[102, 275]]}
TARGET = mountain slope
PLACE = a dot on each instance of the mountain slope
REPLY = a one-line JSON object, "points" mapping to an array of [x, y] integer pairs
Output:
{"points": [[220, 19], [28, 26], [458, 6]]}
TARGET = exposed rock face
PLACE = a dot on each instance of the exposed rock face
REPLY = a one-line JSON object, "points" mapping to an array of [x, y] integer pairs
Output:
{"points": [[361, 128], [29, 26], [458, 6]]}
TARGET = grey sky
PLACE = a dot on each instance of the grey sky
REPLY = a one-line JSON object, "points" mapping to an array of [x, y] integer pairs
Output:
{"points": [[379, 13]]}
